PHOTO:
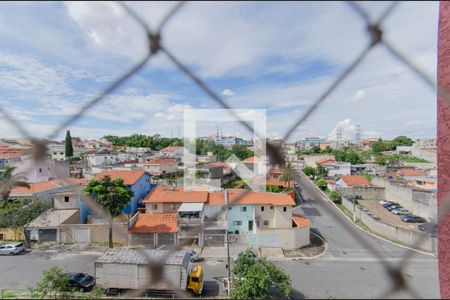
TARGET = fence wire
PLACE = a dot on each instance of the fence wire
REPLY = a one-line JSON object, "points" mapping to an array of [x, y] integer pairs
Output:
{"points": [[394, 272]]}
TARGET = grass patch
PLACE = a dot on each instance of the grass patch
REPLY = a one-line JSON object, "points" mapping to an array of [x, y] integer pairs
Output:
{"points": [[362, 225], [8, 295], [413, 159]]}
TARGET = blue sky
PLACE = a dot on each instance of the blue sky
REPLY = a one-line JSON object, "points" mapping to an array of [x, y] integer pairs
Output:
{"points": [[277, 56]]}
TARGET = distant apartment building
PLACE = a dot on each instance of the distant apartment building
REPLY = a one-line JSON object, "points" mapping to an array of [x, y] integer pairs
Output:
{"points": [[310, 142], [230, 141]]}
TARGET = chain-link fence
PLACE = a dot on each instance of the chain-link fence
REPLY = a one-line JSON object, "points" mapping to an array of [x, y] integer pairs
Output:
{"points": [[155, 46]]}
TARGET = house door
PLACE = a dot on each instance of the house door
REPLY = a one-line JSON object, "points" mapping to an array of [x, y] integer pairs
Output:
{"points": [[250, 225]]}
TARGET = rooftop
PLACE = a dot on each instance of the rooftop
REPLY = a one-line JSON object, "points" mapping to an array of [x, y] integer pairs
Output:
{"points": [[52, 218], [301, 221], [161, 162], [155, 223], [356, 180], [48, 185], [175, 194], [129, 177], [241, 196], [144, 257]]}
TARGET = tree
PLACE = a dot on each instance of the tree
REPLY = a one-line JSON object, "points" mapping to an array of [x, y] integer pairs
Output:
{"points": [[255, 277], [380, 159], [54, 283], [321, 171], [68, 145], [113, 195], [393, 160], [309, 171], [322, 184], [403, 141], [286, 176], [8, 181], [335, 197]]}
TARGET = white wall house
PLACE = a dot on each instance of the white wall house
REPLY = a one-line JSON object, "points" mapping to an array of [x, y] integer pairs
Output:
{"points": [[44, 170], [95, 160]]}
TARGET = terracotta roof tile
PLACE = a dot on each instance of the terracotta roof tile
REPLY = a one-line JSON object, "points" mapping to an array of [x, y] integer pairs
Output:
{"points": [[178, 194], [170, 148], [129, 177], [48, 185], [356, 180], [161, 162], [252, 159], [155, 223], [410, 172], [301, 221], [220, 164], [325, 161]]}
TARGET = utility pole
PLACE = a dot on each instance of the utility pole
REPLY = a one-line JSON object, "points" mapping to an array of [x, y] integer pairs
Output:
{"points": [[228, 246]]}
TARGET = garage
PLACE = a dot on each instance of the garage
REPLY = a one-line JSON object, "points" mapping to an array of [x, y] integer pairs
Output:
{"points": [[81, 235], [47, 235], [214, 237]]}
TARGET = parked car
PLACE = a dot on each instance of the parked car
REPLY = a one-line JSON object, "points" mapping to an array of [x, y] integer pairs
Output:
{"points": [[389, 203], [11, 249], [81, 281], [195, 257], [394, 206], [410, 218], [430, 228], [399, 211], [383, 202]]}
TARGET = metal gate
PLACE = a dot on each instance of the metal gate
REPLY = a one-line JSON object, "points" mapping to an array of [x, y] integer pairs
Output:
{"points": [[81, 235], [214, 238]]}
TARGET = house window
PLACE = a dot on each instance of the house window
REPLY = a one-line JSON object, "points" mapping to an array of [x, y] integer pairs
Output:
{"points": [[237, 223], [40, 170], [244, 208], [172, 206], [271, 207], [229, 207], [66, 199], [285, 209], [266, 222], [154, 206], [262, 208]]}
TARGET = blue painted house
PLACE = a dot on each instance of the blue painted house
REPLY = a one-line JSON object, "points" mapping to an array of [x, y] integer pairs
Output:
{"points": [[137, 181]]}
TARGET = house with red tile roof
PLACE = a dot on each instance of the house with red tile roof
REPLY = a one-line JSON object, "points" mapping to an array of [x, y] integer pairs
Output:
{"points": [[138, 181], [153, 229], [172, 151], [256, 214], [353, 181]]}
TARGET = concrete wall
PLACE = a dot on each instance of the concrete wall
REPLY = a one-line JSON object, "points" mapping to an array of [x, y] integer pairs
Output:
{"points": [[12, 234], [287, 238], [310, 160], [422, 203], [394, 233], [99, 233], [369, 193], [60, 203], [162, 208], [425, 154], [39, 171]]}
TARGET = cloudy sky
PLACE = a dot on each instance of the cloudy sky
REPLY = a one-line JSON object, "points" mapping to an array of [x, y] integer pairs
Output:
{"points": [[54, 57]]}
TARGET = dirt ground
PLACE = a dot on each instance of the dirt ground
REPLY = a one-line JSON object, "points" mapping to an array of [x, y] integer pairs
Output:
{"points": [[386, 216]]}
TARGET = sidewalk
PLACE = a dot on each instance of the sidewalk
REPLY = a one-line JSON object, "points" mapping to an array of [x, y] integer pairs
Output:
{"points": [[221, 252]]}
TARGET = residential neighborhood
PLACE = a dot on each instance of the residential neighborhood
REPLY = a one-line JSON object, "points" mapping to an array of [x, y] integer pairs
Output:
{"points": [[224, 150]]}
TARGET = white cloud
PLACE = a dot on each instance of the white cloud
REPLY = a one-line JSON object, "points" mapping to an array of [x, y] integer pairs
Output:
{"points": [[360, 94], [228, 92]]}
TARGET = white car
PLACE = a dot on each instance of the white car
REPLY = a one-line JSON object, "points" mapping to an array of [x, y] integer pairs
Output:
{"points": [[11, 249], [383, 202]]}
